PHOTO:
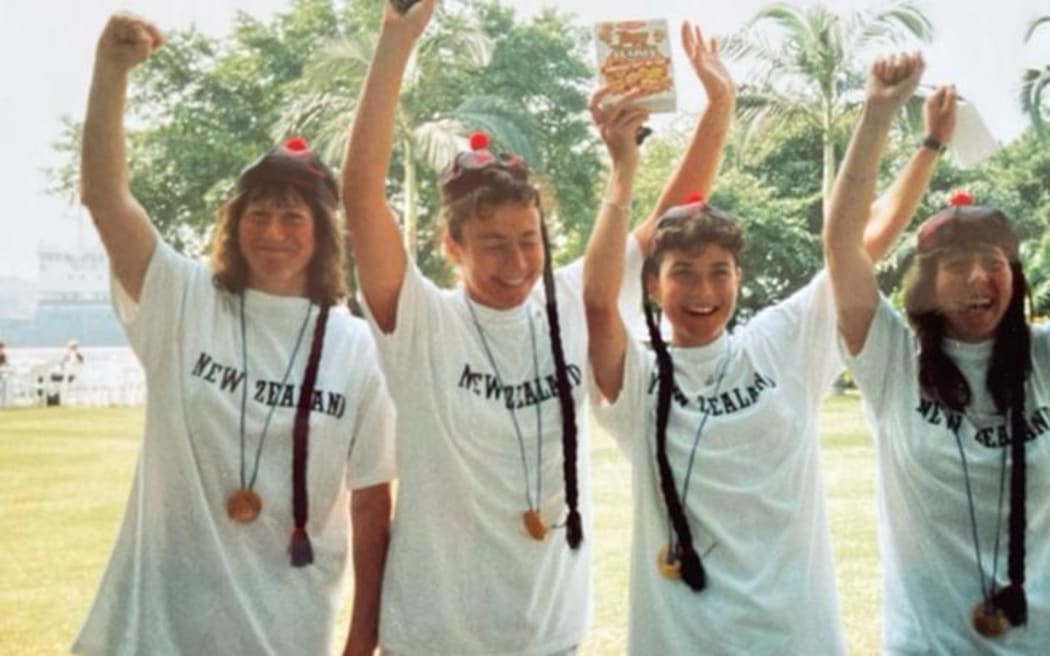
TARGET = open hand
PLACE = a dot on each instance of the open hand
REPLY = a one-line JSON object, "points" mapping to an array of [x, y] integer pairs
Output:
{"points": [[709, 67], [127, 40]]}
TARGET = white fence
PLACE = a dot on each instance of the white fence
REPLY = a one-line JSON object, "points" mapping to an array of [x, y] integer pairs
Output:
{"points": [[108, 376]]}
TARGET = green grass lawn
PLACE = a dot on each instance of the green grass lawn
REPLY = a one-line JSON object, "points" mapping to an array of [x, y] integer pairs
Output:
{"points": [[67, 471]]}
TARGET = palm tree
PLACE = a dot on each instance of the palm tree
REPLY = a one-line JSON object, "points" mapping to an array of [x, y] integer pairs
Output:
{"points": [[809, 70], [328, 95], [1034, 82]]}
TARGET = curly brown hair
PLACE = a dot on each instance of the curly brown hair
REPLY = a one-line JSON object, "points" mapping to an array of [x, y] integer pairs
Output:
{"points": [[492, 189], [691, 228], [326, 274]]}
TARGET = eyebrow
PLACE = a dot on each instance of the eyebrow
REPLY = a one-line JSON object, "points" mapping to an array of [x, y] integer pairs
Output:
{"points": [[495, 236], [719, 264]]}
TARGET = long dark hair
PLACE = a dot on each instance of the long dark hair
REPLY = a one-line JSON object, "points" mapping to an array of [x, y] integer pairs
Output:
{"points": [[685, 227], [940, 378]]}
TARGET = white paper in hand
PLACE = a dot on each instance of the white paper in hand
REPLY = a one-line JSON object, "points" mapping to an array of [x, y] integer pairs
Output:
{"points": [[972, 142]]}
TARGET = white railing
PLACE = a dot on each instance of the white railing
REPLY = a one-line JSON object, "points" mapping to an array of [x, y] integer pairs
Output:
{"points": [[37, 377]]}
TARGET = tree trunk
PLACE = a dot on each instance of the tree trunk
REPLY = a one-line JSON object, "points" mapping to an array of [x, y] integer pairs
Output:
{"points": [[411, 191], [828, 148]]}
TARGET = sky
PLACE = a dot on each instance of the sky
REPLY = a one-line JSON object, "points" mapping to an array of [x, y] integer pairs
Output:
{"points": [[46, 49]]}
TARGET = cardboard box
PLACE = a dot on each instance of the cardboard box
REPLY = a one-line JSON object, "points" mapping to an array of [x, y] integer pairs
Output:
{"points": [[637, 53]]}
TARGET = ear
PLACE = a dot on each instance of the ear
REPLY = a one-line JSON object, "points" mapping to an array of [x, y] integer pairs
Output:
{"points": [[452, 249], [652, 287]]}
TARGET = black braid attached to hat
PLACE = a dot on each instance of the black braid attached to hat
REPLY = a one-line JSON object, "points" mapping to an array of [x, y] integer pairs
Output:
{"points": [[299, 548], [469, 171], [691, 225], [692, 569], [1008, 371], [294, 164], [573, 523]]}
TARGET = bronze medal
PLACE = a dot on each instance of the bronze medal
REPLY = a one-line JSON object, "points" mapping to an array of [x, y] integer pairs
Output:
{"points": [[988, 620], [668, 563], [243, 505], [534, 524]]}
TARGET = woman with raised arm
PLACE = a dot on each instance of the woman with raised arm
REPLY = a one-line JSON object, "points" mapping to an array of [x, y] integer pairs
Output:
{"points": [[254, 345], [957, 397], [489, 550], [730, 548]]}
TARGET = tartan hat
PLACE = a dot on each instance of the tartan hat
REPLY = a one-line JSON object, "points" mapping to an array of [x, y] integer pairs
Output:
{"points": [[964, 224], [292, 163]]}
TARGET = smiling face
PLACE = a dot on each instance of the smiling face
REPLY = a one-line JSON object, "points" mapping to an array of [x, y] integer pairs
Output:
{"points": [[697, 291], [973, 288], [276, 239], [499, 255]]}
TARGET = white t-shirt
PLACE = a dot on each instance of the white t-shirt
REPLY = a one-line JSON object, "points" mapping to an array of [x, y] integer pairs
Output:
{"points": [[462, 575], [755, 502], [929, 562], [183, 578]]}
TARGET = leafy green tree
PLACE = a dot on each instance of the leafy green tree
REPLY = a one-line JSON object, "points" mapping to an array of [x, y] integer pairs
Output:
{"points": [[782, 251], [1017, 181], [808, 69], [1034, 83], [327, 95], [201, 109], [468, 74]]}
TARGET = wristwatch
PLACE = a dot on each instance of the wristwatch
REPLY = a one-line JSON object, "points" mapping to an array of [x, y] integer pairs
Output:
{"points": [[933, 144]]}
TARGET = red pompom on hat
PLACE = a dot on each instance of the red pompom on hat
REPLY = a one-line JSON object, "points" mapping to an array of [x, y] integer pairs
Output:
{"points": [[479, 141], [694, 197], [470, 168], [292, 162], [297, 145], [963, 224], [960, 198]]}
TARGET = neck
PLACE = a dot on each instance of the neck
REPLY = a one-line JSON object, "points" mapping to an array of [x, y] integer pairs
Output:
{"points": [[290, 288], [679, 340]]}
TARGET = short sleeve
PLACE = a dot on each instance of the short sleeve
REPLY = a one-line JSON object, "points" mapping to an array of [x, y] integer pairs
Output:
{"points": [[627, 418], [415, 325], [799, 333], [152, 325], [889, 345]]}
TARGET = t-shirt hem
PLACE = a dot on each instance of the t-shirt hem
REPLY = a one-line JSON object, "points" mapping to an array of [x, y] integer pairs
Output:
{"points": [[552, 647]]}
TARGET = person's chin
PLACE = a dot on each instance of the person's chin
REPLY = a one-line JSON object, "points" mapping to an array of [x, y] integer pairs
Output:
{"points": [[513, 294], [506, 301]]}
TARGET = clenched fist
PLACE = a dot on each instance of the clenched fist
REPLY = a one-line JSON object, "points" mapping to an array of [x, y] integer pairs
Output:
{"points": [[127, 41]]}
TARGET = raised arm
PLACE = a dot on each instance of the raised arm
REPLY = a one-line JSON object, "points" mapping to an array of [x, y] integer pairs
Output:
{"points": [[890, 82], [892, 211], [603, 261], [122, 224], [696, 170], [372, 225]]}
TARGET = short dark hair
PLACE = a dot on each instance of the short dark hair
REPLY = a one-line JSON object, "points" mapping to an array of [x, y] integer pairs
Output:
{"points": [[693, 227]]}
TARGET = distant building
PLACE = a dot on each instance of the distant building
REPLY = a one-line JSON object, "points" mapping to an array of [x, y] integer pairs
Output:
{"points": [[69, 297], [18, 298]]}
